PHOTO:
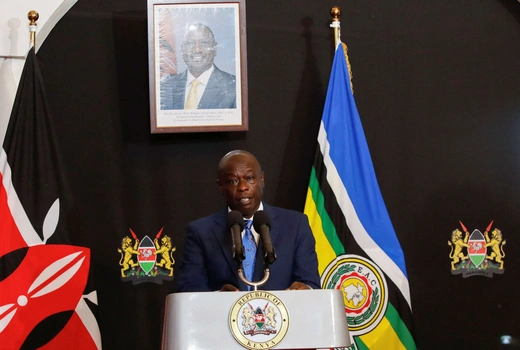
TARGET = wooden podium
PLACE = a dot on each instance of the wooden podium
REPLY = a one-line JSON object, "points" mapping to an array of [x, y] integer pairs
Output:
{"points": [[308, 319]]}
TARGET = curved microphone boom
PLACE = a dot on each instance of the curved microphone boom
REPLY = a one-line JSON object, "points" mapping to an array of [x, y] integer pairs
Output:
{"points": [[235, 223], [262, 225]]}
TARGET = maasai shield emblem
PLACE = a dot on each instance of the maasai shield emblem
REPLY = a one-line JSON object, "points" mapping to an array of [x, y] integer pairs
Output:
{"points": [[146, 254], [477, 247], [259, 318]]}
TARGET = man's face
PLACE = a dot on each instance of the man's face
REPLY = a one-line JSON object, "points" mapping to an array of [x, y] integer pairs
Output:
{"points": [[198, 50], [241, 183]]}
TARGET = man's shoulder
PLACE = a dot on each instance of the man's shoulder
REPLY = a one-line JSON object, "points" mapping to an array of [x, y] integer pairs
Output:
{"points": [[223, 75], [174, 78]]}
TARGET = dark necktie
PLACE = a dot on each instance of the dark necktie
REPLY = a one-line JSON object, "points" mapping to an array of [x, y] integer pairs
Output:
{"points": [[250, 250]]}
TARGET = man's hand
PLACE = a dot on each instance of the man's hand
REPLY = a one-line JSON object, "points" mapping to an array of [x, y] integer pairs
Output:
{"points": [[229, 288], [298, 286]]}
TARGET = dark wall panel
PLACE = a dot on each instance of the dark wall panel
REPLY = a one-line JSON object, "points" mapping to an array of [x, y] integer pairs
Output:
{"points": [[437, 87]]}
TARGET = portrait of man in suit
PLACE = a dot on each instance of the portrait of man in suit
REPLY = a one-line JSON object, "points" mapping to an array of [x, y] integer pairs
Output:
{"points": [[202, 85]]}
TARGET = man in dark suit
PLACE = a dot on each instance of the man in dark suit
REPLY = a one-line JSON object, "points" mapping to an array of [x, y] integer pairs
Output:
{"points": [[202, 85], [207, 263]]}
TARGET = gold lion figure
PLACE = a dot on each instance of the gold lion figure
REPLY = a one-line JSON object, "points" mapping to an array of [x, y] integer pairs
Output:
{"points": [[457, 244], [165, 249], [270, 317], [127, 251], [497, 247], [248, 319]]}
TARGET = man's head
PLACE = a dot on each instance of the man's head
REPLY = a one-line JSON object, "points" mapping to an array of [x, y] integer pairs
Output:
{"points": [[241, 181], [198, 48]]}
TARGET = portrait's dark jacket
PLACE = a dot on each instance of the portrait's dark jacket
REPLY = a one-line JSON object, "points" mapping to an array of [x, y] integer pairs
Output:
{"points": [[220, 92], [207, 263]]}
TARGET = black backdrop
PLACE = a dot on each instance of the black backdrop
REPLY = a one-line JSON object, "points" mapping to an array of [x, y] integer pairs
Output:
{"points": [[437, 87]]}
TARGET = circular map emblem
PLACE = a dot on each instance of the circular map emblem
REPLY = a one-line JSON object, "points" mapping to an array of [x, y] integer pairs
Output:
{"points": [[364, 290], [259, 320]]}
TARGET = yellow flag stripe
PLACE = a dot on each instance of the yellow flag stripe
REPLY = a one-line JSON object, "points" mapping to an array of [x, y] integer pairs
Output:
{"points": [[323, 248]]}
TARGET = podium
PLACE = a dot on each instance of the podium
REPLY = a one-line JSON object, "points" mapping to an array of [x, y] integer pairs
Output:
{"points": [[304, 319]]}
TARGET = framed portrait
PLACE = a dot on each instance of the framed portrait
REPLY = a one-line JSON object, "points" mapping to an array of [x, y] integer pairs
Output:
{"points": [[198, 66]]}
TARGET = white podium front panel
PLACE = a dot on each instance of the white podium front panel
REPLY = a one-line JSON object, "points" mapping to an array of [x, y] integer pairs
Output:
{"points": [[201, 321]]}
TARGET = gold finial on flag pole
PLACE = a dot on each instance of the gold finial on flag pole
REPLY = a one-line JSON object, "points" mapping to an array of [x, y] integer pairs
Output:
{"points": [[335, 12], [33, 17]]}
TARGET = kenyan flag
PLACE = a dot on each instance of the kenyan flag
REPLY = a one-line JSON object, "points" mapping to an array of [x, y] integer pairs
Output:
{"points": [[46, 300]]}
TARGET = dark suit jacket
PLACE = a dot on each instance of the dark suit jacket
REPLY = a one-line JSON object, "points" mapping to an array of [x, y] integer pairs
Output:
{"points": [[207, 263], [220, 92]]}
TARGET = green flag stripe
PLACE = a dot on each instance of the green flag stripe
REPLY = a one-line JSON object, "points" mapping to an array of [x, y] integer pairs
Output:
{"points": [[330, 202], [359, 344], [328, 226], [400, 328]]}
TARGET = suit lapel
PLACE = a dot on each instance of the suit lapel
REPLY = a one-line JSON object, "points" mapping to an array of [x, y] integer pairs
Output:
{"points": [[274, 233], [275, 223], [212, 90]]}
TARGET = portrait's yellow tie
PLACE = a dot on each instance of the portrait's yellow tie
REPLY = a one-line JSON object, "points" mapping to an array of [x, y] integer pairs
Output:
{"points": [[193, 99]]}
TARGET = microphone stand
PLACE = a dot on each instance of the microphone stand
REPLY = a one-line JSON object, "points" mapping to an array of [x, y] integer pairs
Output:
{"points": [[268, 260], [255, 285]]}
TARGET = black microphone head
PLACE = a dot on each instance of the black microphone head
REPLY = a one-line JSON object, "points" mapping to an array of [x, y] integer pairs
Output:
{"points": [[235, 217], [261, 218]]}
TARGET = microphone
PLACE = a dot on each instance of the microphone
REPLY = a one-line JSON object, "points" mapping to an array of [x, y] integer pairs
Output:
{"points": [[262, 225], [235, 223]]}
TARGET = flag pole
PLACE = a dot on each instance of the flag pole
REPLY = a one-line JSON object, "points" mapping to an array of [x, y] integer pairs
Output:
{"points": [[335, 12], [33, 17]]}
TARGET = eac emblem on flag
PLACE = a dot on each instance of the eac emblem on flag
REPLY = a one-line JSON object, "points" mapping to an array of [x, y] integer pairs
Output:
{"points": [[364, 288]]}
